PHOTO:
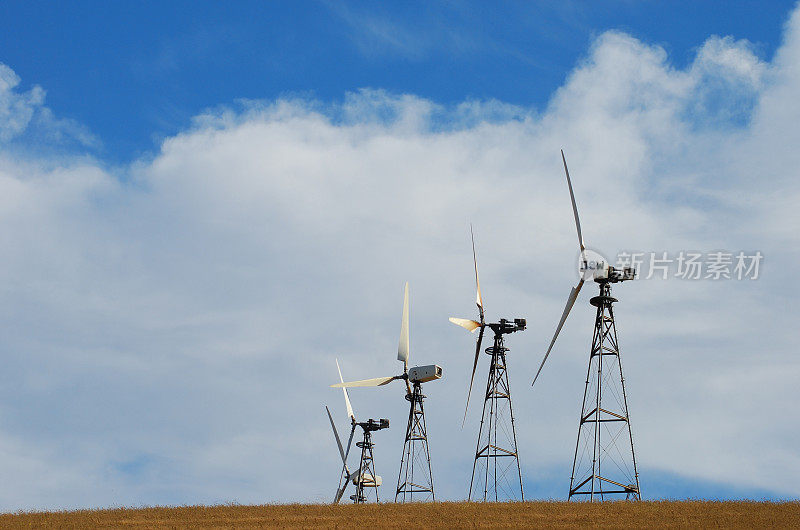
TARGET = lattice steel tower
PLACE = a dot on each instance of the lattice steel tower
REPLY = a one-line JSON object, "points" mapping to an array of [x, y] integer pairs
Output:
{"points": [[496, 456], [415, 465], [367, 477], [604, 462]]}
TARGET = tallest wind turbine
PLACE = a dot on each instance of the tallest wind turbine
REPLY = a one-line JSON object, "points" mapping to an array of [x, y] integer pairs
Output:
{"points": [[604, 463]]}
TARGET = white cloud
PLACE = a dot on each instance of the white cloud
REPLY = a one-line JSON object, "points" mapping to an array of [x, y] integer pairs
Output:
{"points": [[169, 337], [16, 109], [24, 113]]}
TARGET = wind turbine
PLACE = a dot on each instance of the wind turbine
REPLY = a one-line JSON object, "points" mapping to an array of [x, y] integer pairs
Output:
{"points": [[497, 407], [415, 448], [601, 422], [364, 476]]}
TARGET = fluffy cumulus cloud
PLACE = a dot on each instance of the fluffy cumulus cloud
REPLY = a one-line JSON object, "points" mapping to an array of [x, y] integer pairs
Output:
{"points": [[169, 331]]}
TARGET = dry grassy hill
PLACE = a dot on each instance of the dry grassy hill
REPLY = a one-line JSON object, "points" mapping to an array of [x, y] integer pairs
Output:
{"points": [[440, 515]]}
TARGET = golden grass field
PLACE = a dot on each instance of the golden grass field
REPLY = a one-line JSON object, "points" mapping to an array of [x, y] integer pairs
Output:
{"points": [[697, 514]]}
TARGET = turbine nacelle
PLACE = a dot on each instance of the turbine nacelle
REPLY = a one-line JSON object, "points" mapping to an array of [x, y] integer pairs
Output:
{"points": [[621, 275], [601, 272], [374, 425], [423, 374], [509, 326]]}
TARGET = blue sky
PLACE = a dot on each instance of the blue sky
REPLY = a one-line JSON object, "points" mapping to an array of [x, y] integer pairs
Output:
{"points": [[200, 204], [135, 73]]}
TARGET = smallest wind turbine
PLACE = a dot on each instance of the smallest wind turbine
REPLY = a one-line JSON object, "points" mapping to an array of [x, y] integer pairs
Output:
{"points": [[415, 448], [364, 476]]}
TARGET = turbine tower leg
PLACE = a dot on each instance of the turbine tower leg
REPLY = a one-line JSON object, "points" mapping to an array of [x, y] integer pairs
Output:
{"points": [[605, 462], [367, 468], [415, 464], [496, 454]]}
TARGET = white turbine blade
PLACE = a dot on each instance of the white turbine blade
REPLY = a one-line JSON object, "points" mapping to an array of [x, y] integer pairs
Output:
{"points": [[377, 381], [350, 441], [403, 349], [472, 378], [478, 298], [356, 473], [340, 492], [574, 206], [346, 397], [469, 325], [573, 295], [338, 441]]}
